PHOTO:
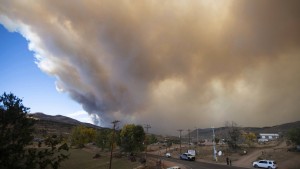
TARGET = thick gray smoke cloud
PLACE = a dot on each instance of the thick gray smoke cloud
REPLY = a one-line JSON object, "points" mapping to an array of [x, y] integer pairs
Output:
{"points": [[171, 64]]}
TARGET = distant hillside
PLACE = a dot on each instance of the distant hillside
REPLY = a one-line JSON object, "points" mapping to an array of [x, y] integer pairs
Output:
{"points": [[63, 125], [57, 118], [57, 124], [222, 131]]}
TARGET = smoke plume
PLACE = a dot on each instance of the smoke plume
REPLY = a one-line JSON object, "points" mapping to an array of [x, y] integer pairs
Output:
{"points": [[171, 64]]}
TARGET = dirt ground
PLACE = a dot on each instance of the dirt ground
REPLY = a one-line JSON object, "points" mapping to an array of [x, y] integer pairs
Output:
{"points": [[279, 153], [274, 151]]}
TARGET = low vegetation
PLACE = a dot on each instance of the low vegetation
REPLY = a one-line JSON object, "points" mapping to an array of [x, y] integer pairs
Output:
{"points": [[294, 135]]}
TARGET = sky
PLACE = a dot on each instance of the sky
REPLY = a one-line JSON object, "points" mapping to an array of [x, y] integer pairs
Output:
{"points": [[171, 64], [21, 76]]}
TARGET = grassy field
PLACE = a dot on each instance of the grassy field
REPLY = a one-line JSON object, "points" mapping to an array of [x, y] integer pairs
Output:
{"points": [[81, 159]]}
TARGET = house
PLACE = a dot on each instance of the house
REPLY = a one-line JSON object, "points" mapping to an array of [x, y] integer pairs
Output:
{"points": [[268, 136]]}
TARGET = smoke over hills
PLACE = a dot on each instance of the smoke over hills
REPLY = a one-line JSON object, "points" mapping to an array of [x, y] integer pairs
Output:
{"points": [[172, 64]]}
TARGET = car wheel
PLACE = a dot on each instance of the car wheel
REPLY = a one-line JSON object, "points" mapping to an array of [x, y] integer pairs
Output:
{"points": [[255, 166], [269, 167]]}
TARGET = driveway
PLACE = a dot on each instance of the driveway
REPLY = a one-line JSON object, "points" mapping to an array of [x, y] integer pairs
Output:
{"points": [[246, 161]]}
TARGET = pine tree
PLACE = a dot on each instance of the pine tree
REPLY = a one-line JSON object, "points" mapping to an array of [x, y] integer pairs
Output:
{"points": [[15, 131], [16, 134]]}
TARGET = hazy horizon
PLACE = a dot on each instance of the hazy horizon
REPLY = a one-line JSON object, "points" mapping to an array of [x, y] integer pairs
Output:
{"points": [[184, 129]]}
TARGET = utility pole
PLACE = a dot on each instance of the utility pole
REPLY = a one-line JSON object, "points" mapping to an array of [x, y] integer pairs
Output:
{"points": [[180, 130], [214, 143], [146, 127], [112, 143], [197, 140], [197, 135], [189, 137], [166, 142]]}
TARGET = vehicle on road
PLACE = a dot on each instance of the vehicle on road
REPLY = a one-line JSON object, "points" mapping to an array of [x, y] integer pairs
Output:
{"points": [[187, 156], [270, 164]]}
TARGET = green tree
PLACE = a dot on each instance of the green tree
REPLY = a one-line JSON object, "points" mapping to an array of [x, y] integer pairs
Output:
{"points": [[16, 128], [81, 135], [51, 154], [294, 135], [217, 140], [102, 139], [150, 139], [132, 138], [249, 138], [233, 135], [16, 131]]}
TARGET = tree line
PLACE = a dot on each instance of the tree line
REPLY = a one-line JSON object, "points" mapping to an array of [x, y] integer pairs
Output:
{"points": [[131, 138]]}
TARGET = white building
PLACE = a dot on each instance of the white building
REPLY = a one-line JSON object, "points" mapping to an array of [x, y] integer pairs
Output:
{"points": [[269, 136]]}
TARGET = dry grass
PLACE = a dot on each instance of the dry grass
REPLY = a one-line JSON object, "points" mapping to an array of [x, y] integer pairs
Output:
{"points": [[82, 159]]}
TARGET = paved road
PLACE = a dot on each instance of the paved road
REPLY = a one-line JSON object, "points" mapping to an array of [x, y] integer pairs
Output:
{"points": [[196, 164]]}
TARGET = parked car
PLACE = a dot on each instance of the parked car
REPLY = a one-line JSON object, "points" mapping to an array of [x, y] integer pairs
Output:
{"points": [[174, 167], [168, 155], [270, 164], [187, 156]]}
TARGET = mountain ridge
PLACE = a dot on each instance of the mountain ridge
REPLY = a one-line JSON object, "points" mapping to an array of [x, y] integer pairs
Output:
{"points": [[203, 133], [62, 119]]}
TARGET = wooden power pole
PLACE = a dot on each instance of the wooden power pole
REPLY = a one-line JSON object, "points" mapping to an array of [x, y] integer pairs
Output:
{"points": [[180, 130], [147, 126], [113, 140]]}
